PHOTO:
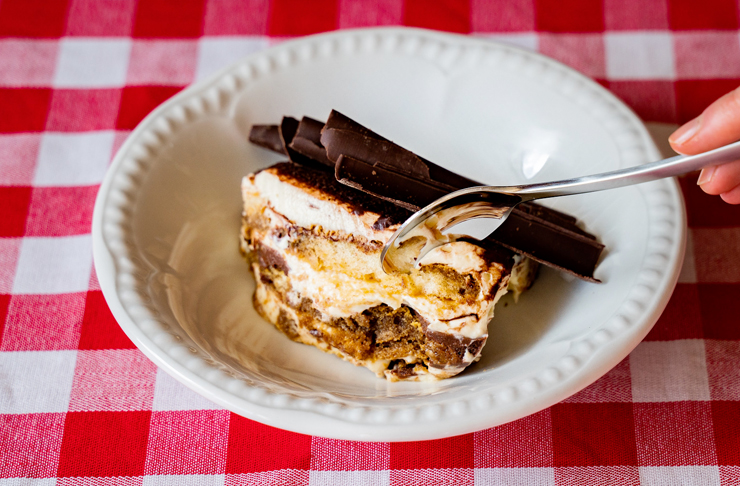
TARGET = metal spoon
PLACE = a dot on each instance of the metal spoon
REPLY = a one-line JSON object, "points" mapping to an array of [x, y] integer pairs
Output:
{"points": [[422, 232]]}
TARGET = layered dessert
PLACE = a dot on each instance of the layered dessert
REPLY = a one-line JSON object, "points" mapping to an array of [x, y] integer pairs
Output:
{"points": [[314, 245]]}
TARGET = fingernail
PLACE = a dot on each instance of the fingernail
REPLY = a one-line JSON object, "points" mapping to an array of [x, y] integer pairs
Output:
{"points": [[685, 132], [706, 175]]}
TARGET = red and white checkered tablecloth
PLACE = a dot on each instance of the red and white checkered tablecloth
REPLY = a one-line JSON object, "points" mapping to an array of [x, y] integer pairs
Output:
{"points": [[79, 404]]}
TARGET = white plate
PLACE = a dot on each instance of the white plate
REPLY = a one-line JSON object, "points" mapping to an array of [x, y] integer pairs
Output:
{"points": [[168, 213]]}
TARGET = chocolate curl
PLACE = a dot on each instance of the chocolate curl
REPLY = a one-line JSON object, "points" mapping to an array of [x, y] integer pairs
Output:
{"points": [[307, 141], [267, 136]]}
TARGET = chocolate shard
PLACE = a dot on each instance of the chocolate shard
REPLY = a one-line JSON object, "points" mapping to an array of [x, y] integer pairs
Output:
{"points": [[288, 129], [307, 141], [267, 136], [550, 243], [351, 138], [385, 184]]}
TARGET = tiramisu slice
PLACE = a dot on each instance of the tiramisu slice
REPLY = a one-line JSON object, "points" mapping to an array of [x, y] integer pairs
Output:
{"points": [[314, 246]]}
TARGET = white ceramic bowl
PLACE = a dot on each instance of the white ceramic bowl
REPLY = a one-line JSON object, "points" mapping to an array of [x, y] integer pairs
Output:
{"points": [[167, 219]]}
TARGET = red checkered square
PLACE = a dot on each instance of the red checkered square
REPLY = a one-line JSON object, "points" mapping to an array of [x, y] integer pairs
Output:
{"points": [[589, 476], [26, 62], [681, 318], [61, 211], [704, 210], [99, 328], [14, 202], [235, 17], [79, 110], [28, 107], [365, 13], [726, 420], [252, 448], [297, 17], [18, 153], [720, 306], [137, 102], [345, 455], [30, 444], [104, 444], [449, 15], [4, 303], [32, 18], [112, 380], [593, 434], [432, 477], [508, 16], [10, 248], [157, 62], [183, 19], [526, 442], [693, 96], [434, 454], [723, 370], [635, 14], [652, 100], [615, 386], [584, 52], [187, 442], [706, 55], [717, 254], [709, 14], [92, 18], [569, 16], [674, 434], [43, 322]]}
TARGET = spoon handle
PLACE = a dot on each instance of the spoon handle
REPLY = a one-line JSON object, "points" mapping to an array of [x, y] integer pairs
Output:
{"points": [[670, 167]]}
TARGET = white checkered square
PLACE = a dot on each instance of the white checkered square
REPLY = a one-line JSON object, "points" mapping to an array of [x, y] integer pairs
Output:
{"points": [[520, 39], [74, 159], [170, 394], [669, 371], [54, 265], [215, 53], [89, 62], [36, 381], [355, 478], [679, 475], [516, 476], [185, 480], [639, 55], [294, 477]]}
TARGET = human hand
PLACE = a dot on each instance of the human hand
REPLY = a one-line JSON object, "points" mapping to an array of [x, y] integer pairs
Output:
{"points": [[718, 125]]}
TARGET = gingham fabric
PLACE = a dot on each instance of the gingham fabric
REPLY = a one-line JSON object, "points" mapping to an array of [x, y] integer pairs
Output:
{"points": [[79, 404]]}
